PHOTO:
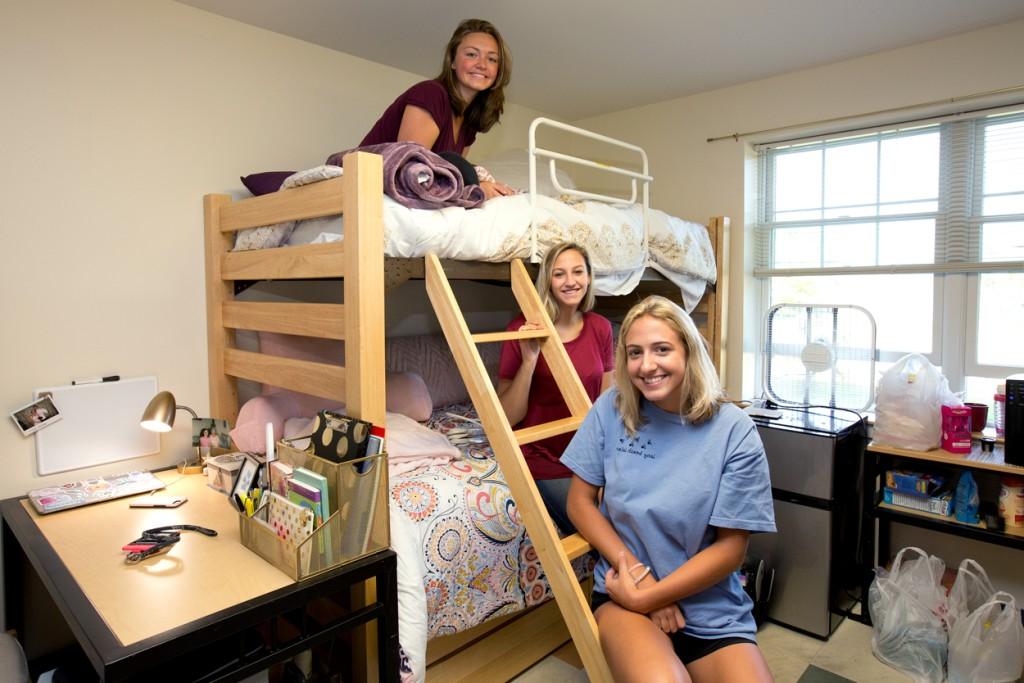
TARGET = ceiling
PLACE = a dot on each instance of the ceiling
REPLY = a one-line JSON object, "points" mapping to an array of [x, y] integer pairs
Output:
{"points": [[579, 58]]}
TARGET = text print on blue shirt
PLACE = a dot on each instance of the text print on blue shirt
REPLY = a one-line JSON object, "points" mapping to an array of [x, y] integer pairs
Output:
{"points": [[641, 446]]}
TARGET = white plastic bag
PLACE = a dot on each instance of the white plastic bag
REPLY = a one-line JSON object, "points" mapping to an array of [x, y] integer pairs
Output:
{"points": [[987, 645], [971, 589], [907, 604], [909, 404]]}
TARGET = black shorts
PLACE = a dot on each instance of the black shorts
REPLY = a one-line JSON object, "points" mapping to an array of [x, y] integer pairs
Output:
{"points": [[688, 648]]}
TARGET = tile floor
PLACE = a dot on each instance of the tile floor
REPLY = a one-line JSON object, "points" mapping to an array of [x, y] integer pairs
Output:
{"points": [[792, 657]]}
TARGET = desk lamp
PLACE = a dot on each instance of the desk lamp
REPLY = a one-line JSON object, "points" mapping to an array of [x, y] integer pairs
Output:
{"points": [[159, 417]]}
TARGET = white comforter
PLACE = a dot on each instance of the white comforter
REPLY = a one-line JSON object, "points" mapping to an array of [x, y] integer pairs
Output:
{"points": [[499, 232]]}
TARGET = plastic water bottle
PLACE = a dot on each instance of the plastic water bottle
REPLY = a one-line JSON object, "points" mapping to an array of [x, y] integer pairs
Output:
{"points": [[999, 409]]}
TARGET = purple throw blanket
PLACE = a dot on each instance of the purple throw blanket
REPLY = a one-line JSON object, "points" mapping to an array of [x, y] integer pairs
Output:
{"points": [[419, 179]]}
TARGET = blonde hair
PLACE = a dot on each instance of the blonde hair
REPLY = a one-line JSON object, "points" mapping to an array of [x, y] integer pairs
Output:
{"points": [[701, 390], [486, 107], [543, 282]]}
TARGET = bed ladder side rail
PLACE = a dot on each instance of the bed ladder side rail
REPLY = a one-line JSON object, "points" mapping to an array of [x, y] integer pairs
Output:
{"points": [[552, 551]]}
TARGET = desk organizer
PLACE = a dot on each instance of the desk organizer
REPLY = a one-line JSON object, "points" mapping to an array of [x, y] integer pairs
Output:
{"points": [[358, 525]]}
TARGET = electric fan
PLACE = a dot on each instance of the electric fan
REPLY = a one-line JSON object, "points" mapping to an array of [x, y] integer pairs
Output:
{"points": [[818, 354]]}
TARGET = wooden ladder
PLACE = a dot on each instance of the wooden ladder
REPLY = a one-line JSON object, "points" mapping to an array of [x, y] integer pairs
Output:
{"points": [[554, 553]]}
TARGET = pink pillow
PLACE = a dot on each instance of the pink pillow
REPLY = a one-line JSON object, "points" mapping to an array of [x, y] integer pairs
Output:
{"points": [[407, 394], [430, 356], [303, 348], [250, 432]]}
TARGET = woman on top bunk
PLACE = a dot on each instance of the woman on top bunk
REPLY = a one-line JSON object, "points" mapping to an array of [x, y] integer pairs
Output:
{"points": [[685, 482], [446, 113], [526, 387]]}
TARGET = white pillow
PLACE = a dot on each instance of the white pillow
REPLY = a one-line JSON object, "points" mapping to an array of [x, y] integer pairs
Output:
{"points": [[512, 168]]}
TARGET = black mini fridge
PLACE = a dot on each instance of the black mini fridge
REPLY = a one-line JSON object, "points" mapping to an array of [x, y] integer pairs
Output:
{"points": [[815, 457]]}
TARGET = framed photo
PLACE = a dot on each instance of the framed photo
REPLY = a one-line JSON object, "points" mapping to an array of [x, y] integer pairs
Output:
{"points": [[247, 478], [38, 414]]}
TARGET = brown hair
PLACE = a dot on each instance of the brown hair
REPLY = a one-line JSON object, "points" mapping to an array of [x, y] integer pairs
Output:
{"points": [[543, 282], [486, 108], [701, 390]]}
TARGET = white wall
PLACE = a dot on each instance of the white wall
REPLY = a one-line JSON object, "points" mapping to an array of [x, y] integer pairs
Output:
{"points": [[696, 179], [118, 116]]}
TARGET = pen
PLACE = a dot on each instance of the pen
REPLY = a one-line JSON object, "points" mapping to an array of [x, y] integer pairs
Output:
{"points": [[96, 380]]}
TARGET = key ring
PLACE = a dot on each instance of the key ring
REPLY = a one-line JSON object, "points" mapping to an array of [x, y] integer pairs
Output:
{"points": [[158, 539]]}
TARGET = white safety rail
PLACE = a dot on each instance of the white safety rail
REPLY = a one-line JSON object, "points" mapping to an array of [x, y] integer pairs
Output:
{"points": [[552, 156]]}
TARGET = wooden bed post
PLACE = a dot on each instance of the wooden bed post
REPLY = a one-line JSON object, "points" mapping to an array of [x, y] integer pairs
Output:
{"points": [[363, 202], [719, 296], [223, 388], [363, 208]]}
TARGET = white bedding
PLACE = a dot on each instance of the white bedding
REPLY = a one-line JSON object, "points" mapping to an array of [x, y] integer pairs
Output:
{"points": [[499, 231]]}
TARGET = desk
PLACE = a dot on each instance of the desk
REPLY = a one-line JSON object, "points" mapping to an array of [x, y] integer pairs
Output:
{"points": [[207, 610], [874, 509]]}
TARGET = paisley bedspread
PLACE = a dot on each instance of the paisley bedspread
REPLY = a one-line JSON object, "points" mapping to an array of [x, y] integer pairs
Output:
{"points": [[463, 554]]}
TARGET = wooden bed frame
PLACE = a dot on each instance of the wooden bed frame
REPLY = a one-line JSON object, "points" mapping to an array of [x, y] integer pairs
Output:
{"points": [[499, 649]]}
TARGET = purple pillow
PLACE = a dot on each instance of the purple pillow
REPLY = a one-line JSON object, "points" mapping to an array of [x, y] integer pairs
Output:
{"points": [[265, 183]]}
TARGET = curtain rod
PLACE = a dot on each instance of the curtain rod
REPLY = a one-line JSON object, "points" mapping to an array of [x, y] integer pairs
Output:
{"points": [[953, 100]]}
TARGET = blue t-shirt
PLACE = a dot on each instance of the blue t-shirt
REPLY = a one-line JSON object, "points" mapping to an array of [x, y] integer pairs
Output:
{"points": [[666, 488]]}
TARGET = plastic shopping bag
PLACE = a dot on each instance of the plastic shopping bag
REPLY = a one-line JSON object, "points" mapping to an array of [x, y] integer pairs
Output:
{"points": [[907, 604], [909, 404], [987, 645], [971, 589]]}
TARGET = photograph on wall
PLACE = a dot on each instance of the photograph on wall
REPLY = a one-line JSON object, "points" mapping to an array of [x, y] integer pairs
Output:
{"points": [[40, 413]]}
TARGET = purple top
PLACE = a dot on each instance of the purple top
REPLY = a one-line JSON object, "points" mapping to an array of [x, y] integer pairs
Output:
{"points": [[592, 354], [432, 97]]}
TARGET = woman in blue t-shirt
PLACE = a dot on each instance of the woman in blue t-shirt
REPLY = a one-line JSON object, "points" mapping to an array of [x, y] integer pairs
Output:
{"points": [[446, 113], [685, 482]]}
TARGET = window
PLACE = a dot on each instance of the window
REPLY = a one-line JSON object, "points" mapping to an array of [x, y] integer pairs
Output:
{"points": [[922, 225]]}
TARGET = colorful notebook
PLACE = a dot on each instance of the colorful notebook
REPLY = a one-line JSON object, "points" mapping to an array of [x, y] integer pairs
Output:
{"points": [[306, 496], [305, 482], [317, 481]]}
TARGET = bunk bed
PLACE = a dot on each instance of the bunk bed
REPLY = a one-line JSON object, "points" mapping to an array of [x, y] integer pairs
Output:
{"points": [[365, 275]]}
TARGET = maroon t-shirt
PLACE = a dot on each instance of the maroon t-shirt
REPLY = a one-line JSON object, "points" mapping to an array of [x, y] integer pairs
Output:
{"points": [[591, 354], [431, 96]]}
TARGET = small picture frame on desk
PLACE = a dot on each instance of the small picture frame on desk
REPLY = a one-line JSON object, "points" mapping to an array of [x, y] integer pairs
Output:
{"points": [[209, 436], [40, 413], [247, 478]]}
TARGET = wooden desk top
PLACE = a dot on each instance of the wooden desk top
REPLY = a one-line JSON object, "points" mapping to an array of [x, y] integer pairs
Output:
{"points": [[197, 577], [986, 461]]}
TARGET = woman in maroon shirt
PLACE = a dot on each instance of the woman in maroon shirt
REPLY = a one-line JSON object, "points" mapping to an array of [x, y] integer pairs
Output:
{"points": [[468, 97], [526, 388]]}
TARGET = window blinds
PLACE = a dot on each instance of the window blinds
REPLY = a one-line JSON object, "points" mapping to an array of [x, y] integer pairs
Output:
{"points": [[937, 196]]}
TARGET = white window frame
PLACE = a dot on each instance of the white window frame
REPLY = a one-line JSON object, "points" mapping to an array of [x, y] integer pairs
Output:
{"points": [[956, 303]]}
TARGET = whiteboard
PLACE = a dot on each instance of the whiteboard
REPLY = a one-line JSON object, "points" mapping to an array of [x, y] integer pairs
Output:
{"points": [[99, 424]]}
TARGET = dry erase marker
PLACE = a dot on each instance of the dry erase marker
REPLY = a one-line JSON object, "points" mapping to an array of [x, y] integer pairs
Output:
{"points": [[96, 380]]}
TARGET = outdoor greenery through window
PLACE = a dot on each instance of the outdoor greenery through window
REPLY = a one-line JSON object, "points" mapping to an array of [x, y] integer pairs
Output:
{"points": [[922, 225]]}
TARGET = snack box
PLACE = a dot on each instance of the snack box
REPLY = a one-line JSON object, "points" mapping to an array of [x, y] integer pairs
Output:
{"points": [[917, 483]]}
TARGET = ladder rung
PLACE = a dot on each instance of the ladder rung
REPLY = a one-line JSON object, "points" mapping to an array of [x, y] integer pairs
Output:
{"points": [[575, 546], [543, 431], [487, 337]]}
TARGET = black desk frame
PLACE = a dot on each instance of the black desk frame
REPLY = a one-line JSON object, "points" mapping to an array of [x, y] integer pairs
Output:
{"points": [[212, 648]]}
